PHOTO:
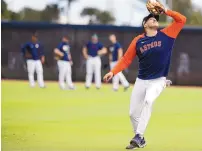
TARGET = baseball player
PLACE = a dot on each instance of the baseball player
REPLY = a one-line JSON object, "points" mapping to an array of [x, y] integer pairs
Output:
{"points": [[92, 52], [64, 61], [115, 53], [34, 56], [154, 49]]}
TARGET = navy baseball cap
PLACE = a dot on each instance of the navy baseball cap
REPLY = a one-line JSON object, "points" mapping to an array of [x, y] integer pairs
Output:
{"points": [[35, 34], [145, 19]]}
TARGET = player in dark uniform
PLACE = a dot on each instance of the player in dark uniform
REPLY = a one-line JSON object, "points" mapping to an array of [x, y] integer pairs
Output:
{"points": [[153, 49], [34, 55], [115, 53], [64, 61], [92, 52]]}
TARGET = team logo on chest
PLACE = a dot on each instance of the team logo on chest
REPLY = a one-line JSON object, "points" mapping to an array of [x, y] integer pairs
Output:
{"points": [[111, 49], [37, 45], [150, 46], [65, 48]]}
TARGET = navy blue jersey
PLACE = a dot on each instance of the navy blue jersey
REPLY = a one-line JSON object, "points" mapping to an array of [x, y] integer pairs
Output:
{"points": [[34, 49], [114, 50], [154, 53], [92, 49], [64, 47]]}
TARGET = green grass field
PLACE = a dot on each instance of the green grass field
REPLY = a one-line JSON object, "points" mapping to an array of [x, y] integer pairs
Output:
{"points": [[35, 119]]}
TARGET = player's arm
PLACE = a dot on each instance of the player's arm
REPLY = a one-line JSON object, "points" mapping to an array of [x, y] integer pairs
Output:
{"points": [[58, 52], [177, 25], [85, 52], [25, 53], [42, 55], [70, 58], [23, 50], [110, 57], [102, 50], [120, 52]]}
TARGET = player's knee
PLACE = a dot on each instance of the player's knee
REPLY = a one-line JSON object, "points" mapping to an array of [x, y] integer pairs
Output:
{"points": [[30, 72], [149, 102], [132, 114], [39, 73], [89, 73]]}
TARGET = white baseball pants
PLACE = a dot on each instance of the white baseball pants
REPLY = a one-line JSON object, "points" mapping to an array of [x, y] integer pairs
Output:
{"points": [[118, 77], [65, 74], [93, 65], [32, 66], [143, 96]]}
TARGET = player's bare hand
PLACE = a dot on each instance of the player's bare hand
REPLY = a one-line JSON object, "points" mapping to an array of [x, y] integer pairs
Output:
{"points": [[108, 77], [42, 59], [71, 63], [86, 57]]}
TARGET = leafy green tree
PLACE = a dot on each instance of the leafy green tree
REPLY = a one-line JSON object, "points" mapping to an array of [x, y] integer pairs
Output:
{"points": [[91, 13], [97, 16], [185, 7], [29, 14], [105, 17], [5, 13], [50, 13]]}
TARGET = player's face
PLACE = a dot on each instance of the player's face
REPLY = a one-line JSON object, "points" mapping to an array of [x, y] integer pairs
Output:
{"points": [[34, 39], [152, 23], [94, 40], [65, 39], [112, 38]]}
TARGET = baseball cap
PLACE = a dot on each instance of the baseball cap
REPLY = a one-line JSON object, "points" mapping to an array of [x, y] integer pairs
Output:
{"points": [[145, 19], [35, 34], [95, 36]]}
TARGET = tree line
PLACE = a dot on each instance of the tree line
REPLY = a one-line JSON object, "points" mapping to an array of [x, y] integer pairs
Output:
{"points": [[51, 13]]}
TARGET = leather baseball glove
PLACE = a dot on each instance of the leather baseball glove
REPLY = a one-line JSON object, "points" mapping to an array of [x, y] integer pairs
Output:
{"points": [[155, 7], [57, 57]]}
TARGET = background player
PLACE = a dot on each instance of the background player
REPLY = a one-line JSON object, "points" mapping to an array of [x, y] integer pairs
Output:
{"points": [[34, 56], [92, 52], [63, 55], [153, 49], [116, 52]]}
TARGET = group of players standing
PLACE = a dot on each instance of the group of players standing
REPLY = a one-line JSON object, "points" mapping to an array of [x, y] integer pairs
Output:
{"points": [[34, 55]]}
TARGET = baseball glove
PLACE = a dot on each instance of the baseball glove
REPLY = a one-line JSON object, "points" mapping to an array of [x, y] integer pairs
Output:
{"points": [[57, 57], [155, 7]]}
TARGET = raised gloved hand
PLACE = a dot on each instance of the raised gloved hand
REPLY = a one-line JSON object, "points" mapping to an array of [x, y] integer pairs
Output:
{"points": [[155, 7]]}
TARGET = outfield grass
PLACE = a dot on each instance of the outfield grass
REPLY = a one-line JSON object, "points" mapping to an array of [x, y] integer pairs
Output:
{"points": [[49, 119]]}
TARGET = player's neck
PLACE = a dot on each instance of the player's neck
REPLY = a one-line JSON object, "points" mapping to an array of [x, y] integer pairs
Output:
{"points": [[114, 42], [151, 33]]}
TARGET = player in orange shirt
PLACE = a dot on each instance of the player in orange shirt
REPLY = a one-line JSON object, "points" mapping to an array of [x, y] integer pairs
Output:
{"points": [[154, 49]]}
